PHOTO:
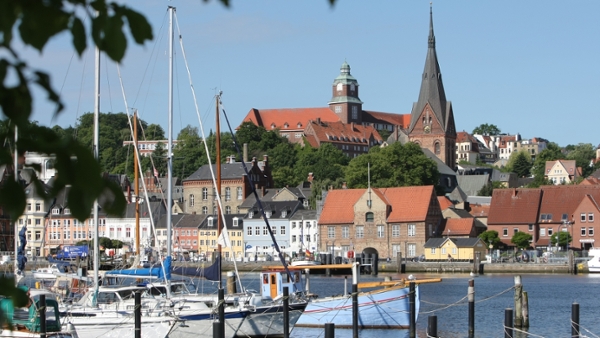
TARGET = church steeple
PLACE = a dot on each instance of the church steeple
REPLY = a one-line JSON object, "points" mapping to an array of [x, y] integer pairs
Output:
{"points": [[432, 88], [345, 102]]}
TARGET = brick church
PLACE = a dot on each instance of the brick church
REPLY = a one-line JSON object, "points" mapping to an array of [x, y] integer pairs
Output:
{"points": [[349, 127]]}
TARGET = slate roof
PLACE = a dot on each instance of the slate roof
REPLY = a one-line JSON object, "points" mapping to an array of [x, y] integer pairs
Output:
{"points": [[187, 220], [407, 204], [156, 209], [459, 242], [442, 167], [276, 208], [228, 222], [304, 214], [472, 184], [228, 171], [515, 206]]}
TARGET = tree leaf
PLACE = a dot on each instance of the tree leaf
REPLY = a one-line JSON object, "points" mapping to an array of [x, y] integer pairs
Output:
{"points": [[12, 198], [40, 21], [78, 33], [138, 25], [114, 42]]}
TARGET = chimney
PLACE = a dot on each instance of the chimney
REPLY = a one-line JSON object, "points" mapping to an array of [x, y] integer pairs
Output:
{"points": [[352, 126], [266, 158], [245, 159], [318, 120], [310, 177], [344, 186]]}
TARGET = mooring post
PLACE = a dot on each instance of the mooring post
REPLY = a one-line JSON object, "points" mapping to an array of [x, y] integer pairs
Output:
{"points": [[231, 286], [286, 312], [329, 330], [525, 309], [412, 308], [138, 314], [471, 297], [518, 302], [575, 320], [355, 271], [42, 310], [221, 312], [508, 323], [432, 327], [216, 329]]}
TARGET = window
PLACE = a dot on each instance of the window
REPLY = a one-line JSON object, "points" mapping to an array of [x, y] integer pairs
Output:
{"points": [[330, 232], [210, 221], [395, 249], [505, 232], [354, 112], [590, 217], [228, 194], [590, 231], [542, 232], [345, 232], [38, 235], [369, 217], [443, 251], [274, 229], [412, 250], [191, 200], [204, 194], [454, 251], [128, 232], [530, 227], [240, 193], [249, 231], [380, 231], [396, 230], [515, 230], [282, 230], [433, 251], [29, 207], [550, 231], [268, 214], [582, 231], [360, 231], [412, 230], [583, 217], [38, 221], [283, 213], [204, 210], [293, 225], [236, 222], [227, 210], [257, 231], [437, 148], [307, 238], [293, 238], [38, 207], [55, 211]]}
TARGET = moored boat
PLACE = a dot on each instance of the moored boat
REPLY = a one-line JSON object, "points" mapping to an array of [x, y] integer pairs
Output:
{"points": [[594, 262]]}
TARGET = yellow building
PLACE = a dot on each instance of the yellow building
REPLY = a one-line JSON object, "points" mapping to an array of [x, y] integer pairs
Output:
{"points": [[454, 249]]}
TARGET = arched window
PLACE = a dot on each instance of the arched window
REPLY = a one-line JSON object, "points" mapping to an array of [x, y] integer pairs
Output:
{"points": [[437, 148], [369, 217]]}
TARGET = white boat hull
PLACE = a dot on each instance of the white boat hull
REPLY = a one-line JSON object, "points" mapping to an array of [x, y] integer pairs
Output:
{"points": [[268, 321]]}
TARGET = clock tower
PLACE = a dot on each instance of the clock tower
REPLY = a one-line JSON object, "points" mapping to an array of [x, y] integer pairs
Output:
{"points": [[432, 119], [345, 102]]}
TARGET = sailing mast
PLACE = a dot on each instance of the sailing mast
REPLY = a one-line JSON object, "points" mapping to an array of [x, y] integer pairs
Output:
{"points": [[170, 148], [136, 180], [95, 150], [218, 165]]}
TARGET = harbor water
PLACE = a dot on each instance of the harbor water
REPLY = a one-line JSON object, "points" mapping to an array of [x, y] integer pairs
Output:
{"points": [[550, 299]]}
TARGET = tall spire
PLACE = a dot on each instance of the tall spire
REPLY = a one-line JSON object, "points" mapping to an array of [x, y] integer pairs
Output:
{"points": [[432, 88]]}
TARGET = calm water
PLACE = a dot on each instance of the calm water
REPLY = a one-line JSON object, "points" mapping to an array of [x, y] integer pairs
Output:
{"points": [[550, 300]]}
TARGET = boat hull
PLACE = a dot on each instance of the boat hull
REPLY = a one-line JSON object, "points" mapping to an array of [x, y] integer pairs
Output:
{"points": [[594, 263], [381, 309], [204, 327], [268, 321]]}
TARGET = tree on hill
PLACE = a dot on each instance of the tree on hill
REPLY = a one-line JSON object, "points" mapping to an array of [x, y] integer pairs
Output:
{"points": [[520, 163], [488, 189], [396, 165], [325, 162], [551, 153], [189, 154], [583, 154], [486, 129]]}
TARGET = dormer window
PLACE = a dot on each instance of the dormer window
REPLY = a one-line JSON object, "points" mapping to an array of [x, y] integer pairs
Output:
{"points": [[210, 221], [286, 125], [268, 214], [272, 125], [284, 213], [55, 211], [251, 214], [299, 125], [236, 222], [67, 211]]}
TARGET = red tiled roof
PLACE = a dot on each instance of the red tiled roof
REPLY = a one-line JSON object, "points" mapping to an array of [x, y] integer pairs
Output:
{"points": [[569, 165], [402, 120], [459, 226], [590, 181], [463, 136], [564, 199], [289, 118], [445, 202], [339, 132], [514, 206], [339, 206], [407, 204], [479, 210]]}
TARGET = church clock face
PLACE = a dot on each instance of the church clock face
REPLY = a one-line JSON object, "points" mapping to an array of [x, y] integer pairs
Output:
{"points": [[427, 129]]}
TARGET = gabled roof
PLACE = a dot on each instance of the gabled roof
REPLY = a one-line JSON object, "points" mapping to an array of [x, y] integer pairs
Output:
{"points": [[402, 120], [559, 200], [228, 171], [188, 220], [293, 118], [276, 209], [228, 222], [459, 226], [515, 206], [459, 242], [339, 132], [570, 167], [479, 210], [445, 203], [407, 204], [472, 184]]}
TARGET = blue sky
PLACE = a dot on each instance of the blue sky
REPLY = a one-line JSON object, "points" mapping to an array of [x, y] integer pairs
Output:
{"points": [[529, 67]]}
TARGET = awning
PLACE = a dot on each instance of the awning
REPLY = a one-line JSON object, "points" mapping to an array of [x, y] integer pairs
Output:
{"points": [[590, 240]]}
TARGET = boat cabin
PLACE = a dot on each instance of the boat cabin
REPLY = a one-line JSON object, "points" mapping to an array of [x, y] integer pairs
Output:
{"points": [[27, 319], [273, 282]]}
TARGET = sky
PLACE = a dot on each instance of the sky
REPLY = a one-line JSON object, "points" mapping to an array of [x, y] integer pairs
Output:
{"points": [[528, 67]]}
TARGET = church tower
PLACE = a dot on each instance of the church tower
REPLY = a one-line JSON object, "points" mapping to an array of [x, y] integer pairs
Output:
{"points": [[432, 120], [345, 102]]}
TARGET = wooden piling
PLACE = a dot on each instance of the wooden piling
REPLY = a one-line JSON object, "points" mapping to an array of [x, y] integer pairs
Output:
{"points": [[138, 314], [575, 320], [412, 308], [471, 298], [329, 330], [518, 302], [286, 312], [231, 286], [432, 327], [508, 323], [42, 312], [525, 310]]}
